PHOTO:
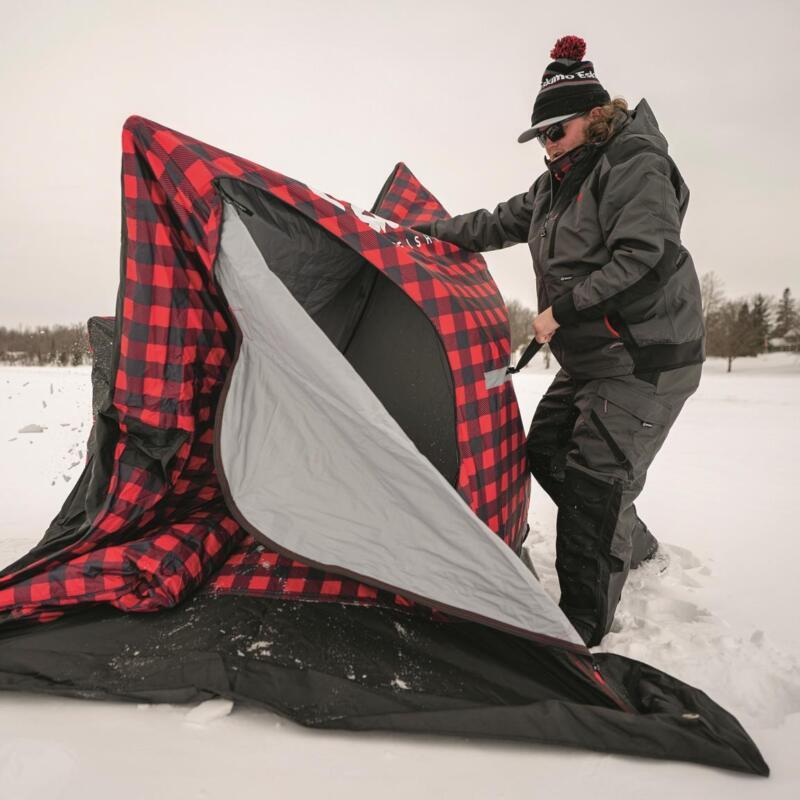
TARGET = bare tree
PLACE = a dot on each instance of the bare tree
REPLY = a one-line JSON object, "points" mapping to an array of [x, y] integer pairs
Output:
{"points": [[712, 295], [546, 355], [520, 319], [732, 332]]}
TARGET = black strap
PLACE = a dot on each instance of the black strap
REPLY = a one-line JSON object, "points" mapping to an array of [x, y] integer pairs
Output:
{"points": [[530, 351]]}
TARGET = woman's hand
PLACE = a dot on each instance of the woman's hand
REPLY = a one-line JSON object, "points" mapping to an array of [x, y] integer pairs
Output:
{"points": [[544, 326]]}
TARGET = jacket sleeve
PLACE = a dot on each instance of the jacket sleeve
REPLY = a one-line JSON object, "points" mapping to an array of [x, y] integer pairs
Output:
{"points": [[482, 230], [640, 220]]}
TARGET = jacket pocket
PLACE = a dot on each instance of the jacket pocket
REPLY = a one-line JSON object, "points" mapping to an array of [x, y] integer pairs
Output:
{"points": [[589, 349], [652, 324]]}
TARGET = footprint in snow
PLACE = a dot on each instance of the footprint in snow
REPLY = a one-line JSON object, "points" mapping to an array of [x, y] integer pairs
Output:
{"points": [[657, 622]]}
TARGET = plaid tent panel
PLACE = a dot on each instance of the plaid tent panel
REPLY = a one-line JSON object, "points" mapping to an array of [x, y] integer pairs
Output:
{"points": [[472, 321], [164, 529]]}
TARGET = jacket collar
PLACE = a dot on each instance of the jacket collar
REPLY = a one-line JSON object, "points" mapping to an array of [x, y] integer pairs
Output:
{"points": [[569, 171], [567, 177], [563, 164], [560, 166]]}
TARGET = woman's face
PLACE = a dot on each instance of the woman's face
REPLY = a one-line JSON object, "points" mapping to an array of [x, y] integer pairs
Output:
{"points": [[574, 136]]}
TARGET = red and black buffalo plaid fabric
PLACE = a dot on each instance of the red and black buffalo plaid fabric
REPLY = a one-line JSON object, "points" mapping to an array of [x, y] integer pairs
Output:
{"points": [[163, 529]]}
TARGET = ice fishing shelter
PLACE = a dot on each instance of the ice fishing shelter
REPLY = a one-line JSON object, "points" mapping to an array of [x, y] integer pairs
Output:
{"points": [[308, 458]]}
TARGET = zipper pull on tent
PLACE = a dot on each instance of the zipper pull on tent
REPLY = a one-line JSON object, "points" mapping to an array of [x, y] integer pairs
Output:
{"points": [[530, 351]]}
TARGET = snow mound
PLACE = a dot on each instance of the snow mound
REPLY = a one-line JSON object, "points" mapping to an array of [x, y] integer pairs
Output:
{"points": [[32, 429], [209, 711]]}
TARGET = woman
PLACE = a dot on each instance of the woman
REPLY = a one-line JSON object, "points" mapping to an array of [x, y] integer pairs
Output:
{"points": [[620, 306]]}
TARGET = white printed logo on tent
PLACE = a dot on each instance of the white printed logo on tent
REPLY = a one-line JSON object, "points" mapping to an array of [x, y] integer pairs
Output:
{"points": [[378, 224]]}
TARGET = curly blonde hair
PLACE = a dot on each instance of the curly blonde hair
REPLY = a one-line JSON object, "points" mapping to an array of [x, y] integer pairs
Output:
{"points": [[612, 115]]}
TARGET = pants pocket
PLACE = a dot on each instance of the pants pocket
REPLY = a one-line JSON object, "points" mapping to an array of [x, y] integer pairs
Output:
{"points": [[632, 424], [618, 432]]}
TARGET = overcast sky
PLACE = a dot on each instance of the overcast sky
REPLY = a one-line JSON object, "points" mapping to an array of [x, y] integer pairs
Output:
{"points": [[335, 93]]}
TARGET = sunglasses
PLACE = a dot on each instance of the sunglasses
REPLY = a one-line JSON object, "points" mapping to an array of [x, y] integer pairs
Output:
{"points": [[556, 131]]}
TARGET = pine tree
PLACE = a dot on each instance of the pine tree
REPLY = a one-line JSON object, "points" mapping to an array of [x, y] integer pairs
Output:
{"points": [[786, 320], [747, 332], [762, 320]]}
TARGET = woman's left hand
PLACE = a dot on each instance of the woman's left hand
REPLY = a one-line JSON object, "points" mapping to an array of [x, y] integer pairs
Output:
{"points": [[544, 326]]}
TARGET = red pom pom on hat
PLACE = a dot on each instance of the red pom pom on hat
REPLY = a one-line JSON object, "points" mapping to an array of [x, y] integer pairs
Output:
{"points": [[569, 47]]}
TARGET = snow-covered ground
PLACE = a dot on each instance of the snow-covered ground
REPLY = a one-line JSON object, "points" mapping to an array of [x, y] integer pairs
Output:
{"points": [[721, 495]]}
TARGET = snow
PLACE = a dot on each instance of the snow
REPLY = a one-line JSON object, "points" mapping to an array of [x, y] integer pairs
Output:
{"points": [[209, 711], [32, 428], [721, 496]]}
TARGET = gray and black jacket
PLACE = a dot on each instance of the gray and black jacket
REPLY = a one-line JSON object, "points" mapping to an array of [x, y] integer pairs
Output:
{"points": [[607, 254]]}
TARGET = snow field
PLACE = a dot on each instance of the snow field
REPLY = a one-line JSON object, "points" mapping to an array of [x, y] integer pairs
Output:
{"points": [[722, 498], [45, 419]]}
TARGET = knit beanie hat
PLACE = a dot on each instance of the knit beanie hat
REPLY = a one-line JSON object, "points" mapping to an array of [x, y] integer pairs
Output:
{"points": [[569, 87]]}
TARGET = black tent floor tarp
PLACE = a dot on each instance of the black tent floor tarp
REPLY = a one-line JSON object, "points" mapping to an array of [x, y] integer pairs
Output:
{"points": [[330, 665]]}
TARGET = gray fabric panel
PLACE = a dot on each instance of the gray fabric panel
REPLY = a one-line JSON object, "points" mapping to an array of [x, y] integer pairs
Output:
{"points": [[316, 463], [496, 377]]}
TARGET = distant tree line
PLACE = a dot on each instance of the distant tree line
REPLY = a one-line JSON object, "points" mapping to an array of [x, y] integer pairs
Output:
{"points": [[734, 329], [747, 326], [63, 345]]}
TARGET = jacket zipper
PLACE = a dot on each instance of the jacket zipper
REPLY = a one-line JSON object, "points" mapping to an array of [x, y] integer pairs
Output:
{"points": [[543, 235], [543, 232], [552, 246]]}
